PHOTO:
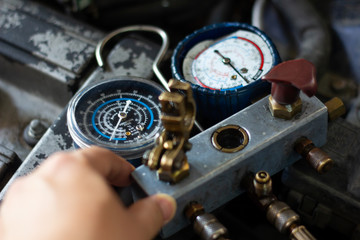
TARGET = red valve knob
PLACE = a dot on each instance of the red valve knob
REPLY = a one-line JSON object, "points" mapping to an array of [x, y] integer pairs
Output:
{"points": [[288, 78]]}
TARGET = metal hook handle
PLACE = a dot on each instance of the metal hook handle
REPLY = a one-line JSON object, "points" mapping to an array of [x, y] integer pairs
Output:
{"points": [[143, 28]]}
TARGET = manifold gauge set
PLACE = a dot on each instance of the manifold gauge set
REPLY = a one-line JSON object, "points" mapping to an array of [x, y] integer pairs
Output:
{"points": [[223, 64], [221, 72]]}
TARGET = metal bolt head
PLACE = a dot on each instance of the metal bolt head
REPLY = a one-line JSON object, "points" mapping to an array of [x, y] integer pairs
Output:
{"points": [[336, 108], [36, 129], [284, 111]]}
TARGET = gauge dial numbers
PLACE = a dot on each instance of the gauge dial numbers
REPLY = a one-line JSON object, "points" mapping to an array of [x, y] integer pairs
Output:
{"points": [[228, 63], [224, 63], [121, 115]]}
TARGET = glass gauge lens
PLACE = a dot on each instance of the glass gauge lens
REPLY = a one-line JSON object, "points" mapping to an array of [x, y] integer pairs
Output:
{"points": [[224, 63], [122, 115], [231, 62]]}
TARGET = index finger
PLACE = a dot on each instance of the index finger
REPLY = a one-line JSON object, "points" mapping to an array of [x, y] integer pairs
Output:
{"points": [[114, 168]]}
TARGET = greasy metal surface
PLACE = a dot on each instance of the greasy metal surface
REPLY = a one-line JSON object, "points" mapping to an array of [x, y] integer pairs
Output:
{"points": [[17, 112], [42, 51], [41, 32], [215, 176], [43, 57]]}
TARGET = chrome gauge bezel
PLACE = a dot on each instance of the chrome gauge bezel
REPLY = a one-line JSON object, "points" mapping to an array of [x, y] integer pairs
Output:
{"points": [[128, 149]]}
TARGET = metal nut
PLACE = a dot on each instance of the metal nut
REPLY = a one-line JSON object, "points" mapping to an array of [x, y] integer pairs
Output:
{"points": [[336, 108], [174, 176], [303, 146], [281, 216], [208, 227], [284, 111], [193, 210]]}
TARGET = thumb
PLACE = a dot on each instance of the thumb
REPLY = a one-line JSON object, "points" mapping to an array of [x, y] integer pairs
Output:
{"points": [[151, 213]]}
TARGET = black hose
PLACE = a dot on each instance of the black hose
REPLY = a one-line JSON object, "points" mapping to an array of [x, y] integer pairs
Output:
{"points": [[309, 29]]}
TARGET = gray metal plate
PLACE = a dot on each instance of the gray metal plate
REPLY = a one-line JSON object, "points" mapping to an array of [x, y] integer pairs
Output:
{"points": [[215, 177]]}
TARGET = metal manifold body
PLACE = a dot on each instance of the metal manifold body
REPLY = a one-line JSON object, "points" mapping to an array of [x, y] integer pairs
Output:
{"points": [[215, 176]]}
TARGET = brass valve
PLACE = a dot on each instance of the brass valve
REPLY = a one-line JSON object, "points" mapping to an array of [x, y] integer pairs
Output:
{"points": [[317, 158], [287, 80], [178, 116], [277, 212]]}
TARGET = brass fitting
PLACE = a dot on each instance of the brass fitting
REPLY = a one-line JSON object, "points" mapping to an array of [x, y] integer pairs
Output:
{"points": [[206, 225], [300, 233], [284, 111], [193, 210], [335, 108], [317, 158], [262, 184], [277, 212], [281, 216], [168, 157]]}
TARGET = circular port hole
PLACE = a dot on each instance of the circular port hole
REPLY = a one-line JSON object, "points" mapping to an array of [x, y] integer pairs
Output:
{"points": [[230, 138]]}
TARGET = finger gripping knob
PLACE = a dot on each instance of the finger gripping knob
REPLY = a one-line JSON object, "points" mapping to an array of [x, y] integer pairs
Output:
{"points": [[288, 78]]}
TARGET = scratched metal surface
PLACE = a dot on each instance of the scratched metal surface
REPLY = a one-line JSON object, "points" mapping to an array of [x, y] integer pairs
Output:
{"points": [[43, 57], [215, 176], [38, 46]]}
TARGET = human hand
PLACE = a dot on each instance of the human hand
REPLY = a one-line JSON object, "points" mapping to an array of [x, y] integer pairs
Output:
{"points": [[69, 197]]}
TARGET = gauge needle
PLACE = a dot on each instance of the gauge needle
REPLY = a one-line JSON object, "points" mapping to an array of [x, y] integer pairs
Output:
{"points": [[121, 116], [227, 61]]}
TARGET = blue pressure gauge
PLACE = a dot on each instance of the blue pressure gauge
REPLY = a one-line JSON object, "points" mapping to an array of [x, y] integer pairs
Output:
{"points": [[122, 115], [224, 63]]}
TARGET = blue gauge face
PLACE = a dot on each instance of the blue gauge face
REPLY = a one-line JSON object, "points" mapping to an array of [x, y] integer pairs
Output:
{"points": [[122, 115]]}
